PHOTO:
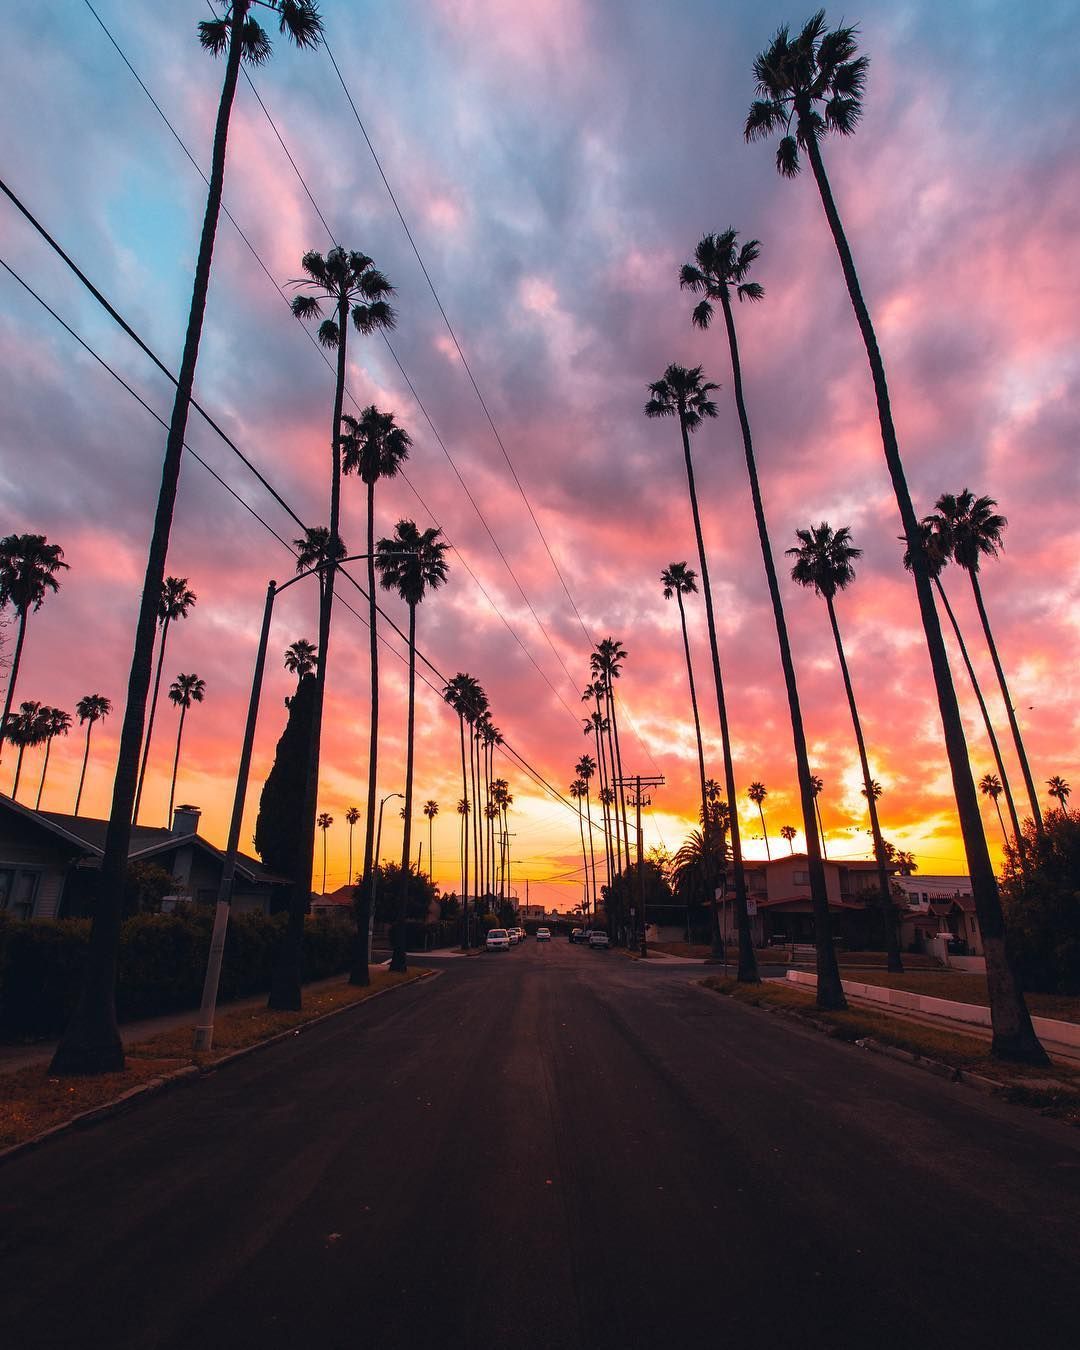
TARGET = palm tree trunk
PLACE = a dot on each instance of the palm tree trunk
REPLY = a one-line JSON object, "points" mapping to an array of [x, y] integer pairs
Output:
{"points": [[360, 975], [618, 763], [18, 771], [592, 850], [9, 697], [1001, 820], [478, 881], [323, 892], [398, 960], [430, 850], [176, 764], [584, 851], [350, 855], [1013, 1035], [44, 771], [892, 945], [602, 769], [91, 1043], [150, 722], [86, 756], [464, 840], [1014, 726], [706, 821], [747, 971], [287, 976], [821, 827], [830, 992], [998, 761], [765, 833]]}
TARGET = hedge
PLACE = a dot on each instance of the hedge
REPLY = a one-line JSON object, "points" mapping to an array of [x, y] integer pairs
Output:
{"points": [[162, 962]]}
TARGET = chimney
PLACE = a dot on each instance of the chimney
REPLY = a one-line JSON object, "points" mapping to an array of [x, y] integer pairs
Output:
{"points": [[186, 820]]}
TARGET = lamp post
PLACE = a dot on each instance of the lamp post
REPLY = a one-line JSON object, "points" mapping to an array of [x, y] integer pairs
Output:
{"points": [[375, 869], [204, 1029]]}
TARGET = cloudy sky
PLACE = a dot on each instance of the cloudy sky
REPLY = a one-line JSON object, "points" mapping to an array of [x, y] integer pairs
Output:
{"points": [[555, 163]]}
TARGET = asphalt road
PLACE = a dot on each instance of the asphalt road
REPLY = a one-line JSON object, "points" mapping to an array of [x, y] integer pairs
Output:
{"points": [[549, 1147]]}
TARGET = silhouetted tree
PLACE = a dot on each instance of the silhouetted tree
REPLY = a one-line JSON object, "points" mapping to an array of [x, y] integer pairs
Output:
{"points": [[175, 603], [184, 691], [28, 571], [26, 729], [279, 829], [89, 710], [56, 722]]}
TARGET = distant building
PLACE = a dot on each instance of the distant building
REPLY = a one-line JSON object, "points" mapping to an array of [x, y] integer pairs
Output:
{"points": [[49, 861]]}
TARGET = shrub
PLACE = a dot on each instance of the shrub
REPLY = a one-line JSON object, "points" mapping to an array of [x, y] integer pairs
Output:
{"points": [[1042, 905]]}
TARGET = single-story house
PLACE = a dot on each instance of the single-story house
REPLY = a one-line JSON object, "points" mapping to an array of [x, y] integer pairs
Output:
{"points": [[48, 862]]}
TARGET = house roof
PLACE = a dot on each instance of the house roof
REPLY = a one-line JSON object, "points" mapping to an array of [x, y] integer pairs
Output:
{"points": [[44, 820], [344, 895], [88, 830]]}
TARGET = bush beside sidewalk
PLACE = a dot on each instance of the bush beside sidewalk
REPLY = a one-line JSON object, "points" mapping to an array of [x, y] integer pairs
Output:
{"points": [[34, 1105], [966, 1058]]}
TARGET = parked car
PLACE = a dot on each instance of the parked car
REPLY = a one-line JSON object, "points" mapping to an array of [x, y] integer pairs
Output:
{"points": [[522, 935], [498, 940], [578, 935], [543, 935], [512, 934], [598, 938]]}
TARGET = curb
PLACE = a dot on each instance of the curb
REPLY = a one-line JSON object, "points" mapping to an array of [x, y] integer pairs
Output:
{"points": [[189, 1073]]}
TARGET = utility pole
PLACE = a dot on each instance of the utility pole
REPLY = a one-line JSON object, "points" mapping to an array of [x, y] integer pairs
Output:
{"points": [[636, 783]]}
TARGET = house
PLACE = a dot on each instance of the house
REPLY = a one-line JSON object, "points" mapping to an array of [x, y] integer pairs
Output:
{"points": [[49, 862], [939, 905], [778, 895]]}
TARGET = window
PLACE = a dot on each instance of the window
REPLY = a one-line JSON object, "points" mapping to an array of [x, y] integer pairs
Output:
{"points": [[802, 878], [18, 889]]}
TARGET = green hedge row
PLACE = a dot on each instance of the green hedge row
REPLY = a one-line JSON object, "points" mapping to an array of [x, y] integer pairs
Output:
{"points": [[162, 963]]}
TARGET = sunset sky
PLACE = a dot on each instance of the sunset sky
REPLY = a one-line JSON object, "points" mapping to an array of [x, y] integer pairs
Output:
{"points": [[556, 163]]}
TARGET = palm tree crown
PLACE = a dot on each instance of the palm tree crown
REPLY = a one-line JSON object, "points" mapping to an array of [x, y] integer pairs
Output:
{"points": [[795, 74], [176, 599], [720, 264], [187, 689], [678, 579], [431, 809], [324, 821], [1059, 788], [92, 708], [412, 561], [349, 279], [313, 548], [373, 445], [757, 792], [300, 657], [967, 527], [298, 19], [990, 786], [28, 568], [682, 393], [823, 559]]}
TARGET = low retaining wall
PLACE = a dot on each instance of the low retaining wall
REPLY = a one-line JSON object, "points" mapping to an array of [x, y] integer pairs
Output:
{"points": [[1046, 1028]]}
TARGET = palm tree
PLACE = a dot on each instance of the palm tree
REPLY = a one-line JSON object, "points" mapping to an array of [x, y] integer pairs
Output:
{"points": [[56, 722], [905, 861], [936, 556], [28, 571], [375, 447], [824, 560], [91, 1043], [26, 728], [794, 77], [816, 786], [721, 266], [789, 832], [606, 662], [585, 768], [462, 693], [599, 727], [682, 393], [1058, 788], [352, 815], [970, 530], [184, 691], [757, 792], [579, 790], [990, 786], [175, 602], [354, 288], [324, 822], [89, 710], [431, 810], [412, 563], [463, 844], [300, 658]]}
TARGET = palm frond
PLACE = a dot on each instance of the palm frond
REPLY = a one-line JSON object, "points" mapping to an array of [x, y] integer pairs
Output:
{"points": [[842, 114], [314, 264], [765, 117], [371, 283], [214, 35], [328, 333], [659, 408], [787, 157], [255, 46], [369, 318], [306, 307], [850, 78], [302, 21], [702, 314], [751, 290]]}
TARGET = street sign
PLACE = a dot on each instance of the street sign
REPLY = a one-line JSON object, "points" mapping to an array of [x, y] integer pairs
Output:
{"points": [[633, 911], [751, 906]]}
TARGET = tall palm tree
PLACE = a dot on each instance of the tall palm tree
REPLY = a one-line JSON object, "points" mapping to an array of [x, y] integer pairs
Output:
{"points": [[184, 691], [678, 580], [794, 77], [300, 658], [1059, 789], [682, 393], [28, 571], [463, 844], [824, 560], [990, 786], [175, 603], [56, 722], [971, 530], [353, 288], [721, 265], [816, 786], [579, 790], [89, 710], [461, 694], [600, 728], [91, 1043], [313, 550], [606, 662], [757, 792], [374, 447], [411, 562], [585, 768], [26, 728], [324, 821], [352, 815], [935, 551], [789, 832], [431, 810]]}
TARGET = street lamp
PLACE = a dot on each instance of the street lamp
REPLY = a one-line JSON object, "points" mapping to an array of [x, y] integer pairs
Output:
{"points": [[375, 869], [204, 1030]]}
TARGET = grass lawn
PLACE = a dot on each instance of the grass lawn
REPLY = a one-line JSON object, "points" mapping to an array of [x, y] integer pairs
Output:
{"points": [[32, 1102], [1056, 1089], [970, 989]]}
